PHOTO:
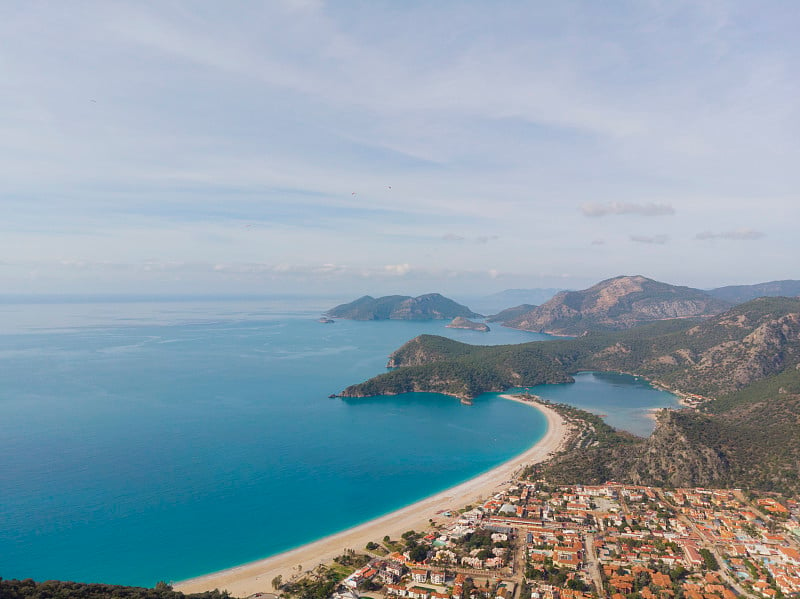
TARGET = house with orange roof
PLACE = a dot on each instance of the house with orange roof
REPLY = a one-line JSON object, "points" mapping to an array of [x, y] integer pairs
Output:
{"points": [[790, 555], [661, 580]]}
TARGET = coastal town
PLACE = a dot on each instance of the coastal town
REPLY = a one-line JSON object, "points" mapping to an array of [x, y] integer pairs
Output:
{"points": [[535, 541]]}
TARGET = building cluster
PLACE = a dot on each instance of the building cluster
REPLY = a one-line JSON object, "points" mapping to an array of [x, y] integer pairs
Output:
{"points": [[535, 541]]}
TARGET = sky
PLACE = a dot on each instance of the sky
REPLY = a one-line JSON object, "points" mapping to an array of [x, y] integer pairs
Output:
{"points": [[396, 147]]}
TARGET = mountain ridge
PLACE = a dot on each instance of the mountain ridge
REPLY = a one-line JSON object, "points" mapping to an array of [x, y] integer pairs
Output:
{"points": [[617, 303], [739, 294]]}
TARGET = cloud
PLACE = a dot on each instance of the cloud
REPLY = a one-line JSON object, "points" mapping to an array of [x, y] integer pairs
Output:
{"points": [[738, 235], [595, 210], [651, 239], [398, 269], [479, 239]]}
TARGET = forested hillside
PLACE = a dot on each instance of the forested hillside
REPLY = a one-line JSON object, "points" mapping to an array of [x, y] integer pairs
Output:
{"points": [[745, 363]]}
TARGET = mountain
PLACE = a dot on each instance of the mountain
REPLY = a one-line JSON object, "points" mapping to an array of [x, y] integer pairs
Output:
{"points": [[744, 363], [431, 306], [618, 303], [511, 313], [738, 294]]}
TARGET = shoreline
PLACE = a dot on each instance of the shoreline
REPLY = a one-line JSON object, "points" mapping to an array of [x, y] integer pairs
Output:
{"points": [[256, 577]]}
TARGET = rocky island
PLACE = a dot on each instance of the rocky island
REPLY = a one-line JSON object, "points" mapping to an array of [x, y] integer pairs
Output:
{"points": [[459, 322], [431, 306]]}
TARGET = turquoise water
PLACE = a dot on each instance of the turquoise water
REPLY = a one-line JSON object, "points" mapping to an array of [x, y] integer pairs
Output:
{"points": [[626, 402], [160, 441]]}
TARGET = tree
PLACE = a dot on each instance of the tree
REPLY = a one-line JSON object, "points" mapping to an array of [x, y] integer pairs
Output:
{"points": [[419, 553], [277, 582], [709, 561]]}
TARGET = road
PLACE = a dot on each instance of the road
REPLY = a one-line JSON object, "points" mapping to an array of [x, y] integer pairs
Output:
{"points": [[593, 565]]}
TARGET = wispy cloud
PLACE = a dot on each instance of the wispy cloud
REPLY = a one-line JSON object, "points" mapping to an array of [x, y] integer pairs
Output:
{"points": [[618, 208], [737, 235], [651, 239], [330, 140], [397, 269], [479, 239]]}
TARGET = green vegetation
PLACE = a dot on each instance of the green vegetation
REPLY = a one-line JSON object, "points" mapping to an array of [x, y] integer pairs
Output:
{"points": [[319, 586], [747, 359], [56, 589], [556, 576], [709, 561]]}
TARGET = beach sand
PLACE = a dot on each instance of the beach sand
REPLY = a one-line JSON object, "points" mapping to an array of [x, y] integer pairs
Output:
{"points": [[256, 577]]}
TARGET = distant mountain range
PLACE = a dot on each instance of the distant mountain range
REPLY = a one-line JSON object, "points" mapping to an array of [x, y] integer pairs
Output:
{"points": [[431, 306], [613, 304], [738, 294]]}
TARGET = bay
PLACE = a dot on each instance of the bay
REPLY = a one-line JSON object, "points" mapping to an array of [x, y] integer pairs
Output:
{"points": [[152, 441], [160, 440]]}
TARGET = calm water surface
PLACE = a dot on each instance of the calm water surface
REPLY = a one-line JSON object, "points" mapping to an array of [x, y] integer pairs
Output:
{"points": [[158, 441]]}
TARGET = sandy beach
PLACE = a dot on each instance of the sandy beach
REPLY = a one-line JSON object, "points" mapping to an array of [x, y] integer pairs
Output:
{"points": [[256, 577]]}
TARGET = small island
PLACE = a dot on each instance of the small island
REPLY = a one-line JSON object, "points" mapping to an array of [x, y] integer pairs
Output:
{"points": [[459, 322], [325, 320]]}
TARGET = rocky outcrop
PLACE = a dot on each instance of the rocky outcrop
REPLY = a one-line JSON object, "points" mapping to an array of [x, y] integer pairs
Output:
{"points": [[460, 322]]}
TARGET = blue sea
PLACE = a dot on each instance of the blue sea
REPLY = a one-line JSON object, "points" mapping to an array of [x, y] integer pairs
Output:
{"points": [[160, 440]]}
